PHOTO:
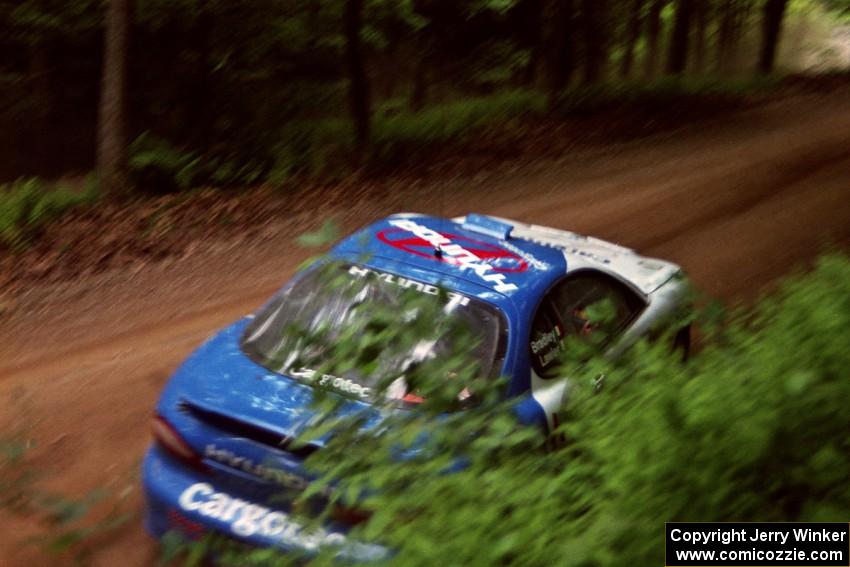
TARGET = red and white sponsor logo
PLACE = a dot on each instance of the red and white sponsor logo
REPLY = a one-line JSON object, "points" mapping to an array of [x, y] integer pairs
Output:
{"points": [[488, 261]]}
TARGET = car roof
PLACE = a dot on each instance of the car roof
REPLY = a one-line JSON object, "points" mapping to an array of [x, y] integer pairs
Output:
{"points": [[518, 269], [644, 273], [500, 257]]}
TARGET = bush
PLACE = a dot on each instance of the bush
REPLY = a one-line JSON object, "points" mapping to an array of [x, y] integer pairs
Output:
{"points": [[660, 97], [26, 206], [754, 428], [325, 147], [157, 166], [312, 148], [407, 135]]}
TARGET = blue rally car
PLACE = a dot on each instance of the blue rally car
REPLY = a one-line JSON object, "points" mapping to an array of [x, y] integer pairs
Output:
{"points": [[223, 460]]}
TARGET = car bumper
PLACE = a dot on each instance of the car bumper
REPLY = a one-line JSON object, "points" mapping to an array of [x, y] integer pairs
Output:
{"points": [[193, 504]]}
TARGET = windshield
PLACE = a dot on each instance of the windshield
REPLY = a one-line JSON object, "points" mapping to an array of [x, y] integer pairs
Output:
{"points": [[294, 332]]}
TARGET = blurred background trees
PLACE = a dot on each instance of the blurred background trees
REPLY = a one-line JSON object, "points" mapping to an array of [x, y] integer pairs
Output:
{"points": [[238, 92]]}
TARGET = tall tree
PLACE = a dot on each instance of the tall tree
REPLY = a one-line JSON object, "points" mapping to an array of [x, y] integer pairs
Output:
{"points": [[40, 32], [774, 12], [358, 83], [198, 97], [653, 37], [734, 18], [678, 57], [40, 72], [112, 135], [558, 20], [632, 36], [702, 12], [594, 16], [725, 34]]}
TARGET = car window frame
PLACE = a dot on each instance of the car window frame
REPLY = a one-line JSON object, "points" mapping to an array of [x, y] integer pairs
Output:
{"points": [[501, 318], [636, 301]]}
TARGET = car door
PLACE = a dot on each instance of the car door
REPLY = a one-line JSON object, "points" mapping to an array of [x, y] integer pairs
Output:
{"points": [[587, 305]]}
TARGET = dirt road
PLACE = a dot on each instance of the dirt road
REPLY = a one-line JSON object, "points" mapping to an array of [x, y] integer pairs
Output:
{"points": [[737, 202]]}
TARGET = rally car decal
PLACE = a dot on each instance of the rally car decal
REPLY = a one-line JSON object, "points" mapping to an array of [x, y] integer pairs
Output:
{"points": [[270, 473], [245, 518], [338, 383], [406, 283], [487, 261]]}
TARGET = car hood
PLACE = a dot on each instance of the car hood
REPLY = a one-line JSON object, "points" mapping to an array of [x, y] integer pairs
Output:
{"points": [[219, 380]]}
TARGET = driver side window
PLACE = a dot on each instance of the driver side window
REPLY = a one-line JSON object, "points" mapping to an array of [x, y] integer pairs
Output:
{"points": [[585, 304]]}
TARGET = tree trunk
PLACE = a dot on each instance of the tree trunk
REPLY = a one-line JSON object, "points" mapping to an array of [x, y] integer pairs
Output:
{"points": [[358, 85], [594, 13], [732, 24], [112, 136], [678, 57], [632, 36], [40, 78], [742, 21], [200, 88], [314, 24], [701, 17], [774, 11], [558, 34], [726, 29], [653, 35]]}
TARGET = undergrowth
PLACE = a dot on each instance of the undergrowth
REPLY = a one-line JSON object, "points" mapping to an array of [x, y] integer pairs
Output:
{"points": [[28, 205]]}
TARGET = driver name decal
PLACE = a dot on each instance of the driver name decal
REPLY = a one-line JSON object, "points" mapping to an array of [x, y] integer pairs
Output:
{"points": [[454, 253]]}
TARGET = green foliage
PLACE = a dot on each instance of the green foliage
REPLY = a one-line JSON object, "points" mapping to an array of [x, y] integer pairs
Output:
{"points": [[71, 523], [240, 93], [409, 135], [26, 206], [36, 20], [325, 147], [498, 62], [841, 8], [15, 480], [661, 96], [156, 165], [499, 6], [311, 148], [326, 235], [751, 430]]}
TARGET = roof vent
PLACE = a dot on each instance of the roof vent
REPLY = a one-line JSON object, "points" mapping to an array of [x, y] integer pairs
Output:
{"points": [[487, 225]]}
